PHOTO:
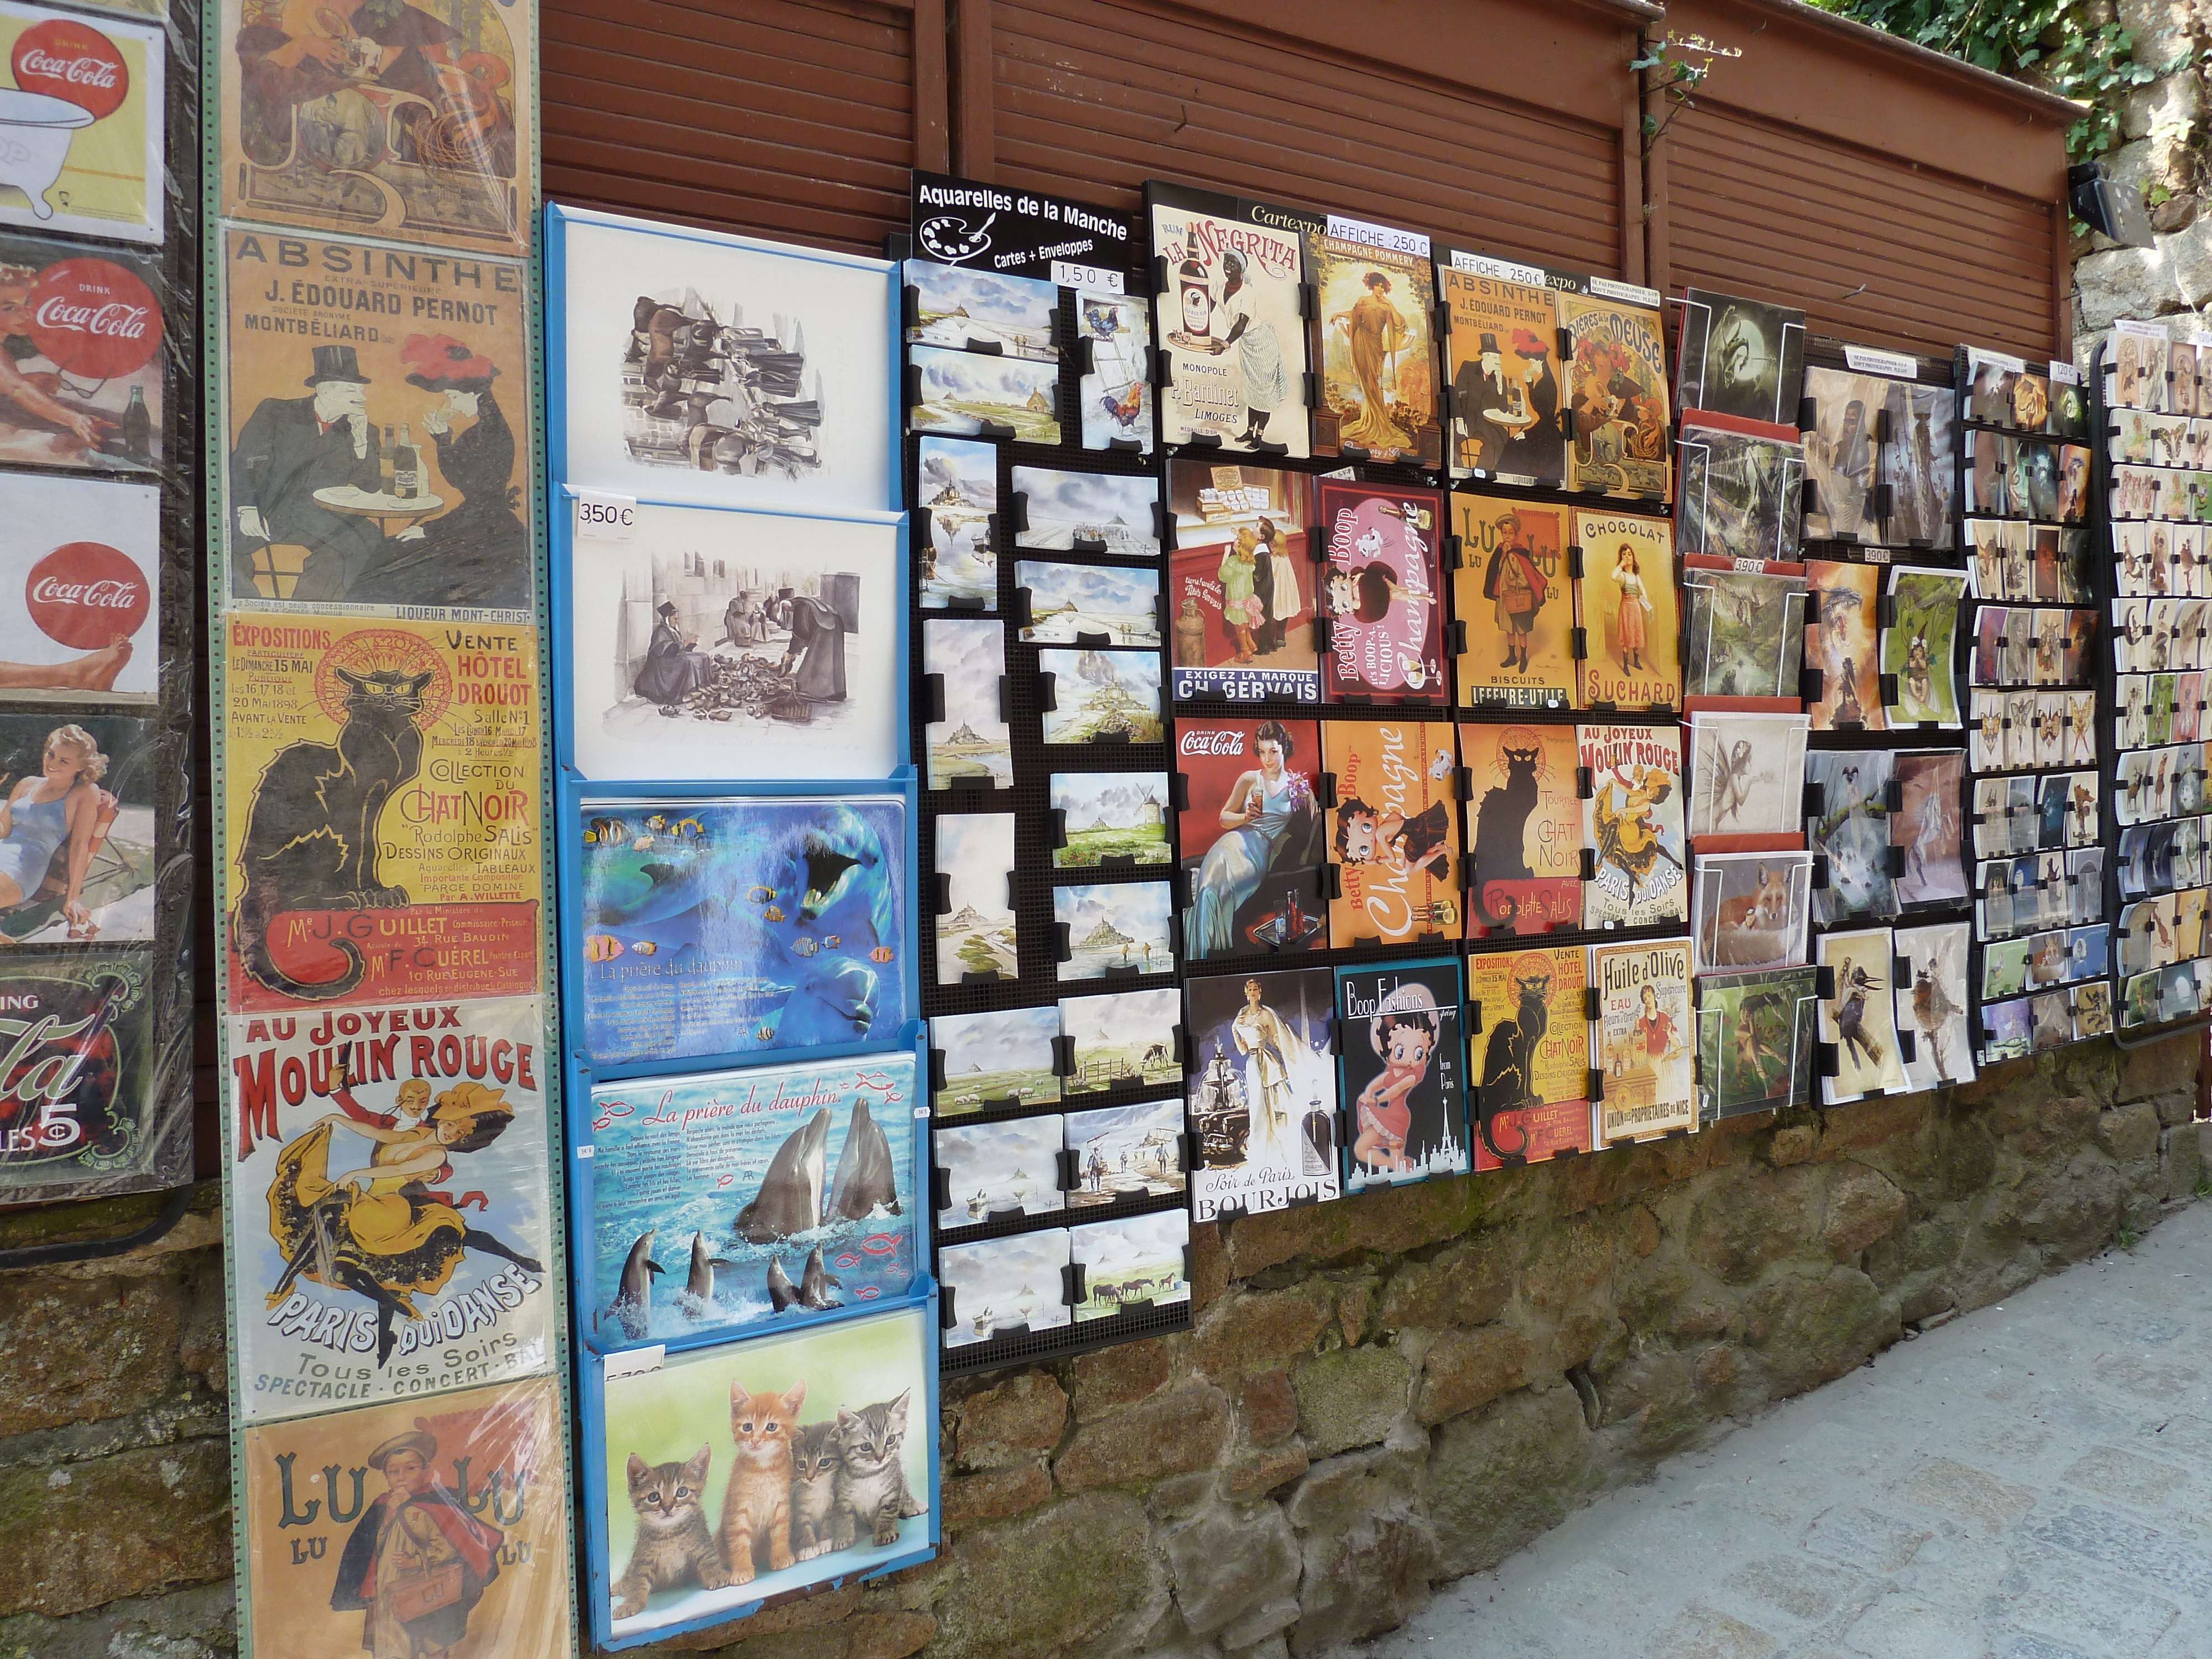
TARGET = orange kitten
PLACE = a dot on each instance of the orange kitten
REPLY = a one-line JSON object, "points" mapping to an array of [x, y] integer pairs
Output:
{"points": [[758, 1509]]}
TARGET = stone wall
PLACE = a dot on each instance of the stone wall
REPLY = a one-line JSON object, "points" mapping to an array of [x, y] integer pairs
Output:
{"points": [[1380, 1395]]}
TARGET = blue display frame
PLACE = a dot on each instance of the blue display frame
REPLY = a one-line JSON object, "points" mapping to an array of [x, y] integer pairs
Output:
{"points": [[598, 1573], [554, 241], [562, 529], [583, 1292]]}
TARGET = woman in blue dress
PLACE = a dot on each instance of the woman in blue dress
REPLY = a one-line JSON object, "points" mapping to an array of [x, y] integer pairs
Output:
{"points": [[62, 803], [1263, 808]]}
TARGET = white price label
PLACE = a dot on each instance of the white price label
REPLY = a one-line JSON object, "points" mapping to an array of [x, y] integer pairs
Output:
{"points": [[1093, 277], [603, 518], [1503, 271], [2064, 374], [637, 1362]]}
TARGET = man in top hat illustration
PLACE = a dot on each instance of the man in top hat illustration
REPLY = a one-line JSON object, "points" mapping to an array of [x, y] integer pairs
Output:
{"points": [[290, 448], [1480, 395]]}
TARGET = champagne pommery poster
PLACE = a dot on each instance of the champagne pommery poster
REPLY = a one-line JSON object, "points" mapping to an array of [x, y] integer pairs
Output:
{"points": [[381, 839], [376, 412]]}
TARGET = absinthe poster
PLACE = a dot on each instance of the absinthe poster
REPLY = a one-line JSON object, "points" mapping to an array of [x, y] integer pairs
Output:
{"points": [[391, 1230], [1230, 330]]}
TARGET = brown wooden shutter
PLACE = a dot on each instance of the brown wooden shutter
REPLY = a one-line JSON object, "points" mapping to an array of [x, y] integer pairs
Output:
{"points": [[1874, 249], [1093, 97], [789, 118]]}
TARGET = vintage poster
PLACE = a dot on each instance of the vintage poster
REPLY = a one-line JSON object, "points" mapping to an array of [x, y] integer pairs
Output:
{"points": [[78, 836], [1375, 343], [1382, 599], [742, 925], [85, 556], [80, 1109], [1515, 607], [1394, 832], [82, 383], [1252, 837], [1524, 827], [1740, 357], [1857, 1016], [1632, 826], [1916, 645], [1263, 1091], [745, 1471], [1504, 371], [1531, 1058], [88, 125], [1628, 608], [1404, 1069], [1755, 1042], [380, 810], [433, 1526], [1618, 392], [738, 645], [1843, 608], [1241, 598], [1232, 335], [733, 1199], [392, 1233], [718, 370], [377, 410], [411, 122], [1642, 1041]]}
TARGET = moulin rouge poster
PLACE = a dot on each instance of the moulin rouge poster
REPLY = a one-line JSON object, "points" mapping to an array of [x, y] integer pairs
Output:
{"points": [[380, 836], [392, 1236]]}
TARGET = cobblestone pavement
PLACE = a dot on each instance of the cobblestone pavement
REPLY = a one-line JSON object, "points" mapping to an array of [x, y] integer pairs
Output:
{"points": [[2031, 1481]]}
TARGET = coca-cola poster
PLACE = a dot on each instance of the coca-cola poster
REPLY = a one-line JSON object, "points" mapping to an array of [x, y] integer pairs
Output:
{"points": [[392, 1231], [376, 406], [81, 378], [84, 125], [410, 119], [78, 1110], [80, 591], [1251, 831]]}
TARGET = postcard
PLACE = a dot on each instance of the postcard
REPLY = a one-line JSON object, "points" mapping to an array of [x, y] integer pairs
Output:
{"points": [[1002, 1058], [1126, 1154], [1122, 1040], [1532, 1056], [1847, 822], [1858, 1017], [1744, 636], [1842, 454], [1752, 909], [1524, 830], [1919, 463], [1739, 357], [973, 741], [742, 925], [1242, 593], [1110, 818], [976, 935], [1100, 696], [1931, 1006], [79, 846], [1840, 625], [1755, 1035], [1742, 487], [965, 395], [89, 127], [1137, 1261], [87, 390], [1004, 1286], [994, 1170], [1746, 792], [1116, 927], [1404, 1073], [1917, 645], [1088, 603], [1262, 1090], [1625, 602], [87, 564], [1394, 832], [1928, 825], [1086, 512], [1252, 837], [971, 309], [955, 489], [1115, 391]]}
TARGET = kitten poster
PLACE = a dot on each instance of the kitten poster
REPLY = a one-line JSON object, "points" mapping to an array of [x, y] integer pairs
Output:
{"points": [[736, 644], [741, 925], [718, 370], [734, 1473], [380, 810], [350, 1517], [327, 506], [731, 1200], [85, 555], [392, 1232], [423, 132]]}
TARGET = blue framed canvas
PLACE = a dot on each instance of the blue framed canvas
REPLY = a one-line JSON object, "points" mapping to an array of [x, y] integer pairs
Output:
{"points": [[719, 644], [688, 365], [672, 1433], [717, 1204], [1403, 1047], [720, 927]]}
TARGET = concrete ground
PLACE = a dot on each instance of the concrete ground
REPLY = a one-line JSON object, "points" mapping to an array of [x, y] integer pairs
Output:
{"points": [[2030, 1482]]}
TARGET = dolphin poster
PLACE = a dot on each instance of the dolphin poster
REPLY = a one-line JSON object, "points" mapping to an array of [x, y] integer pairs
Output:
{"points": [[745, 1198], [742, 925]]}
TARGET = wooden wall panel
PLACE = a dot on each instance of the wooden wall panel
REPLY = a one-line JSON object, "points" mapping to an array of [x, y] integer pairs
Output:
{"points": [[1093, 97], [1876, 249], [795, 119]]}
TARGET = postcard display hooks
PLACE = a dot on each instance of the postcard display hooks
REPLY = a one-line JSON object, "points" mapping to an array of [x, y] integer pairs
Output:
{"points": [[397, 1333], [2151, 442], [735, 821]]}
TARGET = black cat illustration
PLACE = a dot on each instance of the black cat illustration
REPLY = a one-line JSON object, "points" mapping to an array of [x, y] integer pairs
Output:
{"points": [[1501, 826], [311, 835], [1508, 1064]]}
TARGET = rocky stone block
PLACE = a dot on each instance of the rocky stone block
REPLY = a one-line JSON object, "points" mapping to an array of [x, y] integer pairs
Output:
{"points": [[1021, 1416], [1497, 1478], [81, 1535], [2181, 1161], [1251, 1474], [1740, 1229], [1267, 1407], [1228, 1562], [1350, 1398], [2130, 1133], [1166, 1435], [78, 1350], [1465, 1284], [2124, 282], [1367, 1578], [1120, 1376], [1080, 1574], [1250, 1332], [973, 1499], [1811, 1330], [1863, 1208], [1466, 1370]]}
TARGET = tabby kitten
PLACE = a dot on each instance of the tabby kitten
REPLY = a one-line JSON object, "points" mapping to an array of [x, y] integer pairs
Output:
{"points": [[757, 1510], [814, 1465], [872, 1491], [673, 1544]]}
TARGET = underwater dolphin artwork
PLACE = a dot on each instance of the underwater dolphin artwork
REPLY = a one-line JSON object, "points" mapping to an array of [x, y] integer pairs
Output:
{"points": [[790, 1198], [633, 1305], [866, 1179], [700, 1283]]}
